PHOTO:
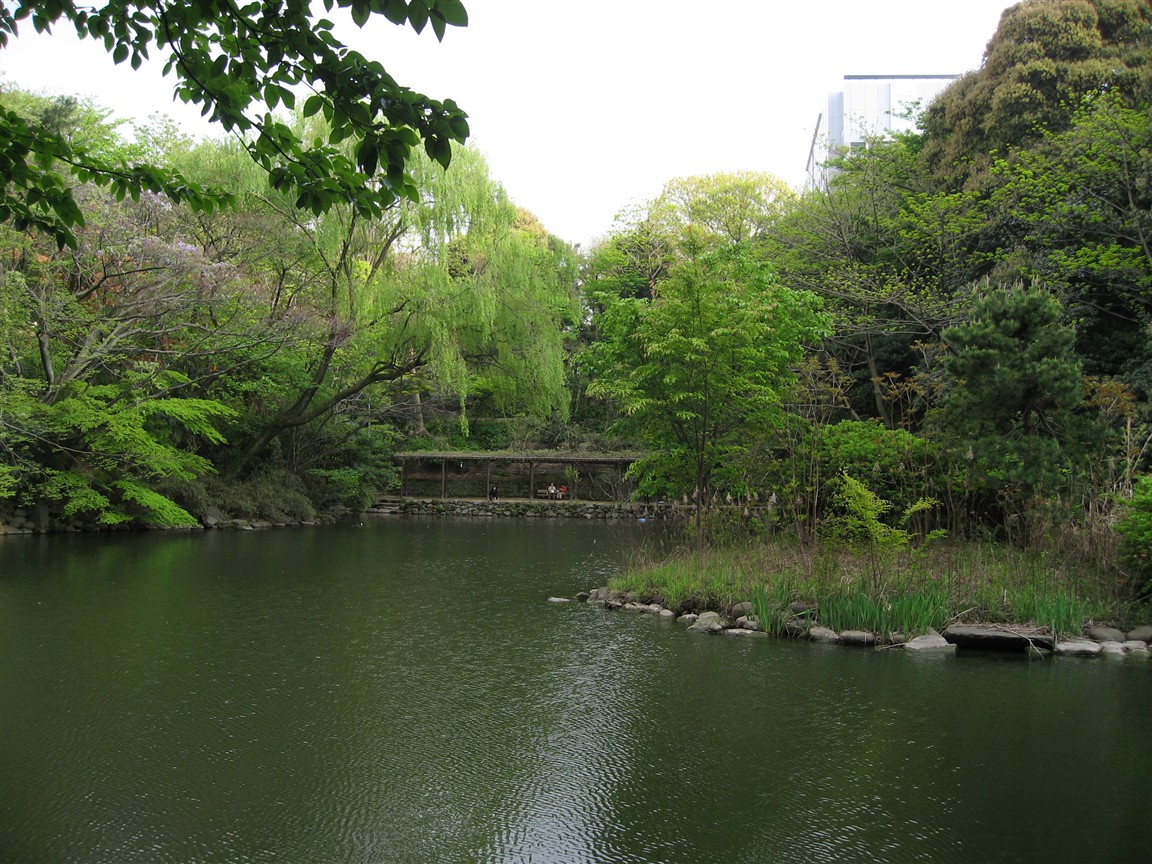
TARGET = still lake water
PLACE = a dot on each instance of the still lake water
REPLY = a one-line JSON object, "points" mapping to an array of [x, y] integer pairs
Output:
{"points": [[401, 691]]}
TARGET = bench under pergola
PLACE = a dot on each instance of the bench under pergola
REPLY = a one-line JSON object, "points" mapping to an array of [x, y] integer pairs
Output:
{"points": [[532, 458]]}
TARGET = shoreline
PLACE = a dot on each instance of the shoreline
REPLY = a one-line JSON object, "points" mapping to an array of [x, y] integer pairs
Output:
{"points": [[39, 520], [738, 620]]}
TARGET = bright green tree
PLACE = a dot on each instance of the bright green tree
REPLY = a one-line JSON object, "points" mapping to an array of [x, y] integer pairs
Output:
{"points": [[634, 258], [723, 208], [698, 372], [1135, 527]]}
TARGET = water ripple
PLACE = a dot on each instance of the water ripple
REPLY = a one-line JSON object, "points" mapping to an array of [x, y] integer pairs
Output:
{"points": [[404, 694]]}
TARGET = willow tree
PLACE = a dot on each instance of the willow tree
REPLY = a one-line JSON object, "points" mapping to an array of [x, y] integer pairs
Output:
{"points": [[444, 294]]}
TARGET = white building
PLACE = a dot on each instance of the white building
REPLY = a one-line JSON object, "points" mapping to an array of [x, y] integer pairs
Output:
{"points": [[867, 107]]}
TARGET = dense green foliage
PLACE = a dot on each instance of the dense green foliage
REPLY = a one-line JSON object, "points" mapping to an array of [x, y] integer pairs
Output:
{"points": [[1135, 527], [1016, 384], [240, 62], [1044, 58], [698, 370], [265, 340], [989, 282]]}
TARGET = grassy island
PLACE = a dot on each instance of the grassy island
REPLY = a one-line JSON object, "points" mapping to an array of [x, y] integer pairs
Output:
{"points": [[907, 591]]}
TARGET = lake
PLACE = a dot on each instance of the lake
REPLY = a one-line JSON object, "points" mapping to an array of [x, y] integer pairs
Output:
{"points": [[401, 691]]}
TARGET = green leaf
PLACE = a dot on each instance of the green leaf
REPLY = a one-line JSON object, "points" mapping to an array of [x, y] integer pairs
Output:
{"points": [[417, 16], [312, 104], [459, 126], [396, 11], [453, 12], [439, 149], [368, 156]]}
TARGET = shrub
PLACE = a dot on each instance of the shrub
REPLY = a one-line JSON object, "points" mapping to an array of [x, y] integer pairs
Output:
{"points": [[1135, 527]]}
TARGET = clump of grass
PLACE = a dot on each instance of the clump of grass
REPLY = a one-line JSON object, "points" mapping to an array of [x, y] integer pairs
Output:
{"points": [[916, 614], [1063, 614], [771, 605], [712, 580], [851, 612], [909, 614]]}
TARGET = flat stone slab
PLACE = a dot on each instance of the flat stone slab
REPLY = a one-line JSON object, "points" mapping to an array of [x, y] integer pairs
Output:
{"points": [[857, 637], [823, 634], [996, 638], [743, 631], [1078, 648], [932, 642]]}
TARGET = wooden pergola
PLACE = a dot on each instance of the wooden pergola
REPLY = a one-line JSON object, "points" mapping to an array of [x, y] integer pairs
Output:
{"points": [[533, 459]]}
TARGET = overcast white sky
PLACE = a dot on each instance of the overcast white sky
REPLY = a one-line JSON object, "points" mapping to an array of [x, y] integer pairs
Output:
{"points": [[583, 107]]}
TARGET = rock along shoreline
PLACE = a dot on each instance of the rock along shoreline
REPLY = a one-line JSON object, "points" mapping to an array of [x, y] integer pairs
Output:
{"points": [[738, 620]]}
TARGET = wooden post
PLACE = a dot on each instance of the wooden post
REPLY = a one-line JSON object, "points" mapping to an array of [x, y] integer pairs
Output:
{"points": [[487, 476], [531, 479], [443, 478], [403, 478]]}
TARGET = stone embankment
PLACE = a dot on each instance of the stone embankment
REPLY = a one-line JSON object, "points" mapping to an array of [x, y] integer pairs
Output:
{"points": [[38, 520], [524, 509], [739, 620]]}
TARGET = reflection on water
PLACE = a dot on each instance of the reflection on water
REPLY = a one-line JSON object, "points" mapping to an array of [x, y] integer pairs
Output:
{"points": [[401, 692]]}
